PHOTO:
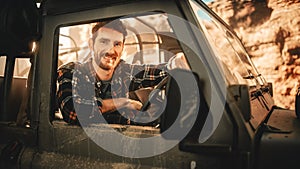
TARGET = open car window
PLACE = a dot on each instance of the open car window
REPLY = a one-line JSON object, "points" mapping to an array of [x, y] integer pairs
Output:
{"points": [[150, 40], [21, 68], [14, 89], [2, 65]]}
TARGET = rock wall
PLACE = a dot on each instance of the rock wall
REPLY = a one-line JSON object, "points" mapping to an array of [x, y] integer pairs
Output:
{"points": [[270, 31]]}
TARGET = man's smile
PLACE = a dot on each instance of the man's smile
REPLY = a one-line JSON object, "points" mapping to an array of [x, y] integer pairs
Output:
{"points": [[110, 58]]}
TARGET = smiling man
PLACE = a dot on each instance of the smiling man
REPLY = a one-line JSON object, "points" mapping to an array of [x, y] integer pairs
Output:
{"points": [[111, 77]]}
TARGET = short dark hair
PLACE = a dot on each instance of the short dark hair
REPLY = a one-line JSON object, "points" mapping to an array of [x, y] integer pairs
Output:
{"points": [[116, 25]]}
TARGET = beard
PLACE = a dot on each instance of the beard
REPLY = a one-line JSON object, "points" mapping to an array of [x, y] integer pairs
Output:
{"points": [[105, 61], [103, 66]]}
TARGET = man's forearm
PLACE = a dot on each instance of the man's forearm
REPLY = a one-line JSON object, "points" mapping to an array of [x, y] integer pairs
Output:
{"points": [[109, 105]]}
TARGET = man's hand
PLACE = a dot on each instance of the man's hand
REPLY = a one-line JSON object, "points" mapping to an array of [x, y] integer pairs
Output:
{"points": [[178, 61], [133, 104], [109, 105]]}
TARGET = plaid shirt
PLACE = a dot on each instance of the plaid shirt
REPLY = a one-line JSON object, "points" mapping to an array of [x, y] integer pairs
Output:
{"points": [[75, 79]]}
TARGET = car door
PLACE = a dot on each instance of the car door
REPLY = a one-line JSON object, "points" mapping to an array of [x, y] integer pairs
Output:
{"points": [[61, 144]]}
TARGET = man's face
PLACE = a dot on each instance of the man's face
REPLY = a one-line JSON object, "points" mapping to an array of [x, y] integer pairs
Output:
{"points": [[107, 47]]}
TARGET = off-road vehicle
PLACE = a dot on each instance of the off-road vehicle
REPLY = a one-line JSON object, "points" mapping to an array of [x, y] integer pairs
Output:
{"points": [[218, 114]]}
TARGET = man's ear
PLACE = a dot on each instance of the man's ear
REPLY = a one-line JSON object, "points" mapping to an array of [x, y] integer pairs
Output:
{"points": [[91, 44]]}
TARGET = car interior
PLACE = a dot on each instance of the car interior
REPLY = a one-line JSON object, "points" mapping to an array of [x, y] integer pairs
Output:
{"points": [[14, 99], [150, 40]]}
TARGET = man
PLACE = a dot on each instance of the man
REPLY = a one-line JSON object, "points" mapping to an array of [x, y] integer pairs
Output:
{"points": [[110, 76]]}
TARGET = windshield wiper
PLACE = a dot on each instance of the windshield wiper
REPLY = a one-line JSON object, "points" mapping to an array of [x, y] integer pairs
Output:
{"points": [[251, 76]]}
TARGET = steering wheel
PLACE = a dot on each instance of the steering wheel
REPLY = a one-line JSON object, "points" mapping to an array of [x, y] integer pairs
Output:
{"points": [[154, 93], [152, 103]]}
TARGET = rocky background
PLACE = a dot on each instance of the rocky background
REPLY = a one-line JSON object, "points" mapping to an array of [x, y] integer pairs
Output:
{"points": [[270, 31]]}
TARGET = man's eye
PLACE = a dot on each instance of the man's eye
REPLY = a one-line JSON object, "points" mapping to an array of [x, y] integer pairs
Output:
{"points": [[102, 41], [118, 44]]}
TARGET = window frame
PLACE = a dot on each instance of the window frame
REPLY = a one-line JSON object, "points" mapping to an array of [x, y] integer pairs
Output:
{"points": [[48, 47]]}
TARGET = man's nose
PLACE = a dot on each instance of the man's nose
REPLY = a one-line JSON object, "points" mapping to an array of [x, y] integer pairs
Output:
{"points": [[111, 49]]}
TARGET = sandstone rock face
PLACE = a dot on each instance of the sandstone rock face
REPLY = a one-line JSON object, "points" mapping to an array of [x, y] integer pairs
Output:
{"points": [[270, 31]]}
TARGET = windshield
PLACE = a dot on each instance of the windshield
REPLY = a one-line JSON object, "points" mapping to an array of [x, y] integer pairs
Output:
{"points": [[236, 63]]}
